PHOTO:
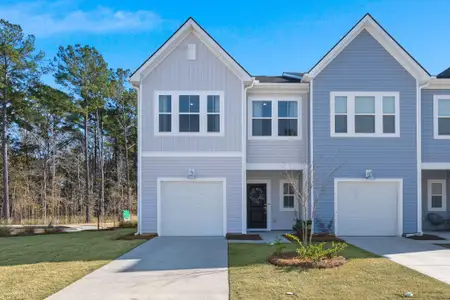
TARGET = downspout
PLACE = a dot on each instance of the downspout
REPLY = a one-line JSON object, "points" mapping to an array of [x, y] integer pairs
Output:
{"points": [[244, 155]]}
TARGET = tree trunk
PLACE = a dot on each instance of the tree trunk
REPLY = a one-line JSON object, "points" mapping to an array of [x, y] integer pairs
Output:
{"points": [[44, 192], [86, 165], [5, 161]]}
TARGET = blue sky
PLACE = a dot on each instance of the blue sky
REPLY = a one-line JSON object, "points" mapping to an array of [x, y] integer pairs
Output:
{"points": [[266, 37]]}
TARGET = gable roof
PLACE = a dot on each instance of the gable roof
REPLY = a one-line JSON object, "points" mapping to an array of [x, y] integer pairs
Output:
{"points": [[444, 74], [383, 37], [190, 25]]}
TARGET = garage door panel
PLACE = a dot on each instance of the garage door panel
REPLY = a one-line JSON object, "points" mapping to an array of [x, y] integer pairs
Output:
{"points": [[367, 208], [190, 208]]}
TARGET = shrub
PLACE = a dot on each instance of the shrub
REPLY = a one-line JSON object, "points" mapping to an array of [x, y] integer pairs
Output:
{"points": [[317, 251], [132, 224], [5, 230], [28, 229], [299, 224], [279, 246]]}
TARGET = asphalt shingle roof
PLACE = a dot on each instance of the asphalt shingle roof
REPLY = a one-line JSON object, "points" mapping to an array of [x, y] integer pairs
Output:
{"points": [[444, 74], [277, 79]]}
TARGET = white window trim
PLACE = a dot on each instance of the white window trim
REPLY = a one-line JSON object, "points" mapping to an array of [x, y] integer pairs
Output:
{"points": [[444, 194], [282, 208], [436, 99], [203, 95], [274, 99], [378, 114]]}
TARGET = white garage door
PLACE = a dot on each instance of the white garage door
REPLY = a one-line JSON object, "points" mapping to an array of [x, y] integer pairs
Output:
{"points": [[191, 208], [367, 208]]}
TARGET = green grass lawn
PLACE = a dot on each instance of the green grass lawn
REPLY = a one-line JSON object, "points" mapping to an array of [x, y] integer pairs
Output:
{"points": [[364, 276], [35, 267]]}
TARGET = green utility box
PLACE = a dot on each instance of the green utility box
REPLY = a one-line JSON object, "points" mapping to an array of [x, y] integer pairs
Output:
{"points": [[125, 216]]}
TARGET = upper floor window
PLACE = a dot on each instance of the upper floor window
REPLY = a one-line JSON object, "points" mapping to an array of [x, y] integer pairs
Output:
{"points": [[365, 114], [274, 118], [189, 113], [441, 112], [437, 195]]}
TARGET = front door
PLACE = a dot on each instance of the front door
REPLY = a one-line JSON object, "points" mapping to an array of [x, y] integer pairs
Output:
{"points": [[256, 206]]}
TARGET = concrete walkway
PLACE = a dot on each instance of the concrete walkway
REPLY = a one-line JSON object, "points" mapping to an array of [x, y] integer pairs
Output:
{"points": [[425, 258], [162, 268], [267, 238]]}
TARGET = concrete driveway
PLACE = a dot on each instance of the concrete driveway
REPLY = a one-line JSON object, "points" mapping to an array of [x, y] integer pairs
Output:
{"points": [[162, 268], [421, 256]]}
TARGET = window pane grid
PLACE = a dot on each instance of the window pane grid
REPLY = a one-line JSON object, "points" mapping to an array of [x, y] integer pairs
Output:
{"points": [[288, 196], [365, 114]]}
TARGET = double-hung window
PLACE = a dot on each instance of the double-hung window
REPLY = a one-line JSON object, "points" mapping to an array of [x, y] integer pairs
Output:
{"points": [[189, 113], [274, 118], [365, 114], [437, 195], [441, 112], [287, 194], [165, 113]]}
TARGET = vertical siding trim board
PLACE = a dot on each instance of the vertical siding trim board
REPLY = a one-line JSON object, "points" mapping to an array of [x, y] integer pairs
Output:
{"points": [[178, 179], [310, 175], [419, 154], [399, 200], [244, 154], [139, 161], [268, 184]]}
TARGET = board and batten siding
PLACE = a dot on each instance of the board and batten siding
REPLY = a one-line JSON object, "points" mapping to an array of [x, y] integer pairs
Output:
{"points": [[365, 65], [283, 151], [433, 150], [205, 167], [434, 174], [206, 73], [280, 220]]}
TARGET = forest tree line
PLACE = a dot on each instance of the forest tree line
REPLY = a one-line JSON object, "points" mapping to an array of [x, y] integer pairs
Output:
{"points": [[69, 148]]}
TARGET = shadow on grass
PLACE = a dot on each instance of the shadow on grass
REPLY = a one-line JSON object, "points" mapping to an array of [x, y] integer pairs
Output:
{"points": [[65, 247]]}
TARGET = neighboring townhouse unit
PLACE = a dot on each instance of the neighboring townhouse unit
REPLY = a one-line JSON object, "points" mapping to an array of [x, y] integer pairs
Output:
{"points": [[367, 125]]}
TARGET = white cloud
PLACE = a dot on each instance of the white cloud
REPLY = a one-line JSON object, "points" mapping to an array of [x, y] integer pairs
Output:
{"points": [[44, 18]]}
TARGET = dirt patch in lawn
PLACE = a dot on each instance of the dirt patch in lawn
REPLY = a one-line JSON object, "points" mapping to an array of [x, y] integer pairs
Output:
{"points": [[291, 259], [243, 237], [319, 238], [426, 237], [133, 236]]}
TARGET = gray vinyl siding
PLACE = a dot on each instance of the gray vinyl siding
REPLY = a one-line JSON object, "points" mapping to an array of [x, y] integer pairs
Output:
{"points": [[364, 65], [282, 151], [206, 73], [433, 174], [433, 150], [227, 167]]}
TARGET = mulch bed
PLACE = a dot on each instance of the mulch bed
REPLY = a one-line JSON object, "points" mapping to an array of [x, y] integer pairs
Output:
{"points": [[291, 259], [243, 237], [319, 238], [426, 237], [132, 236]]}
